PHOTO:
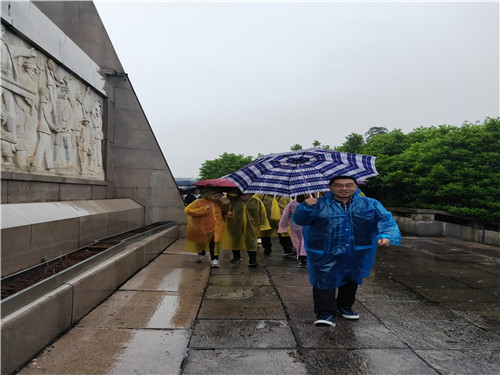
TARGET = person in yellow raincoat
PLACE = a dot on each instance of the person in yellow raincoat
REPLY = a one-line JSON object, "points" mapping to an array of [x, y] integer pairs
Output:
{"points": [[205, 227], [274, 209], [246, 218]]}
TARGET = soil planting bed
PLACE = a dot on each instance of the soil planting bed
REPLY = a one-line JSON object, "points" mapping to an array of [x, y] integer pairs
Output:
{"points": [[16, 283]]}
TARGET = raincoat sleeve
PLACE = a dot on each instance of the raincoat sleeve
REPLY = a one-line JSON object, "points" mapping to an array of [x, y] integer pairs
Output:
{"points": [[197, 208], [305, 215], [263, 221], [386, 225], [286, 218]]}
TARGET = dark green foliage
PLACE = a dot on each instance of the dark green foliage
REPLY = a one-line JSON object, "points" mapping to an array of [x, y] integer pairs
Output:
{"points": [[224, 164], [354, 144], [445, 167], [374, 130]]}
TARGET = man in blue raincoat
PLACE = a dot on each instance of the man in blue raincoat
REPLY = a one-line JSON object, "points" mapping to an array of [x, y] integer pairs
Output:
{"points": [[342, 231]]}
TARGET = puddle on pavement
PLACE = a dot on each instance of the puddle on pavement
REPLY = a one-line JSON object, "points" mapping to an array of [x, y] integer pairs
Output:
{"points": [[152, 352]]}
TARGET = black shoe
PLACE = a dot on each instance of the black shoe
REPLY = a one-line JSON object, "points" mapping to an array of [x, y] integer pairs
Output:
{"points": [[267, 251], [302, 263], [235, 260], [253, 265]]}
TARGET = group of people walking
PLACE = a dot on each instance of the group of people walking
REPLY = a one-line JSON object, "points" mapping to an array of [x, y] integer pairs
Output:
{"points": [[234, 222], [335, 236]]}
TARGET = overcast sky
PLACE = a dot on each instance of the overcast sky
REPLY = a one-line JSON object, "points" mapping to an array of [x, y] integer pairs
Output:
{"points": [[259, 77]]}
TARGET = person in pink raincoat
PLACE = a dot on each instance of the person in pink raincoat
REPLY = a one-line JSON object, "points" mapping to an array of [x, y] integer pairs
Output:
{"points": [[295, 230]]}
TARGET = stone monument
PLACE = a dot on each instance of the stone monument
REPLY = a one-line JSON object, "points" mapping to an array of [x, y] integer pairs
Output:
{"points": [[79, 161]]}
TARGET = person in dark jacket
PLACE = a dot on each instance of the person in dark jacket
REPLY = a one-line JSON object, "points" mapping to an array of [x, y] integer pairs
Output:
{"points": [[191, 197]]}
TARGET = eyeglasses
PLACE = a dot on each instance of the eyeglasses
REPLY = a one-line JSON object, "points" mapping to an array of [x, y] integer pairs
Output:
{"points": [[348, 186]]}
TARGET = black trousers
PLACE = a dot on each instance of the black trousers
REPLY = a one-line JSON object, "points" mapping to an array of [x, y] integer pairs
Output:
{"points": [[325, 302], [285, 242], [211, 246]]}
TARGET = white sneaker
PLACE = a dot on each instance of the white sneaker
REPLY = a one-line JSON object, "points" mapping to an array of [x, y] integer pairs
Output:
{"points": [[201, 259], [214, 263]]}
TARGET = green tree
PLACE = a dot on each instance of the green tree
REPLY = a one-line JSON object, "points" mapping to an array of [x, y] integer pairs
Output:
{"points": [[224, 164], [296, 147], [392, 143], [374, 130], [354, 144], [445, 167]]}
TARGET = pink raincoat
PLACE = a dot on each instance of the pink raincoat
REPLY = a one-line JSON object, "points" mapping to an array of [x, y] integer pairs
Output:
{"points": [[295, 230]]}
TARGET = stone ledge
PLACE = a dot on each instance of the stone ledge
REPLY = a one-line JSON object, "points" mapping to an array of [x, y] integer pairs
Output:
{"points": [[33, 327], [71, 224]]}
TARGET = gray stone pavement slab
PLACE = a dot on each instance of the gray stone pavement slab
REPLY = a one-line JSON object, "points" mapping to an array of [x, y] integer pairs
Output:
{"points": [[244, 362], [487, 282], [422, 311], [230, 334], [300, 278], [240, 292], [396, 292], [492, 291], [241, 309], [154, 310], [299, 309], [414, 311], [462, 362], [171, 273], [346, 334], [294, 293], [364, 362], [425, 282], [456, 295], [484, 315], [461, 272], [443, 335], [489, 266], [89, 351], [257, 278]]}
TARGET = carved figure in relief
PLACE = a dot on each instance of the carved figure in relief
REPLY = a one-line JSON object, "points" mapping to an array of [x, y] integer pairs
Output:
{"points": [[52, 83], [63, 145], [85, 145], [44, 151], [8, 143], [9, 68], [77, 114], [27, 118], [42, 111], [98, 134]]}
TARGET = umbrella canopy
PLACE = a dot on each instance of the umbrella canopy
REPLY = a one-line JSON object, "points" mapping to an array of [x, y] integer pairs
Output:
{"points": [[300, 172], [218, 184]]}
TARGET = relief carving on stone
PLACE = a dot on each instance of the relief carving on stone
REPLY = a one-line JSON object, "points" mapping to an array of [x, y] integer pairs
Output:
{"points": [[51, 121]]}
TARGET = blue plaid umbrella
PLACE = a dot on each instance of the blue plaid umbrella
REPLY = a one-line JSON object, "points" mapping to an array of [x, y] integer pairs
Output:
{"points": [[300, 172]]}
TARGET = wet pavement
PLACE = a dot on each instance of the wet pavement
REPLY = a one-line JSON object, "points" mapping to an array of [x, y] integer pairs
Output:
{"points": [[430, 306]]}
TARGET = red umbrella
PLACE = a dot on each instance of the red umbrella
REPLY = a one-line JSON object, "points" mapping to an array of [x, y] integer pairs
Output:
{"points": [[215, 182]]}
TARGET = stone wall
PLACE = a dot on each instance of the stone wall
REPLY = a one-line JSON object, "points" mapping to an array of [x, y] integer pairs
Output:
{"points": [[72, 126], [425, 222]]}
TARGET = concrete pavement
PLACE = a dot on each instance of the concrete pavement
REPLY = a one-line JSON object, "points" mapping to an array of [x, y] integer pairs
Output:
{"points": [[430, 306]]}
